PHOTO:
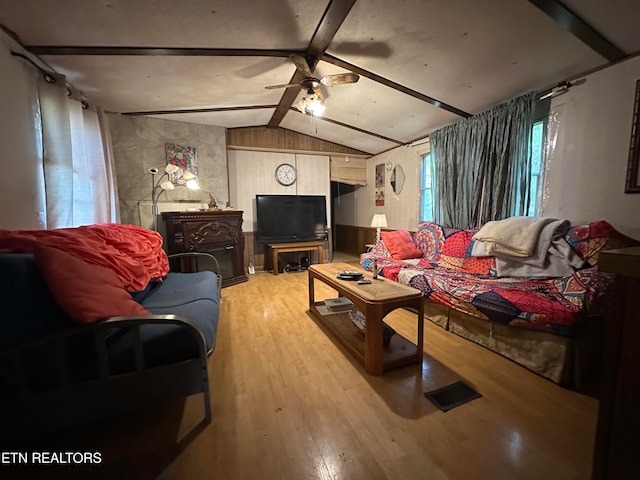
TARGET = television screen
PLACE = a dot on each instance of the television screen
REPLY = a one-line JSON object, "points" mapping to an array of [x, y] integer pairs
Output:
{"points": [[291, 218]]}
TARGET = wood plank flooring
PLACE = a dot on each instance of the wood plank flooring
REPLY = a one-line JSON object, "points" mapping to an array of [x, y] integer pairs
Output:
{"points": [[289, 403]]}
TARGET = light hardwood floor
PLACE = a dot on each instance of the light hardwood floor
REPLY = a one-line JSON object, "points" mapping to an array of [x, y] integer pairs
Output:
{"points": [[289, 403]]}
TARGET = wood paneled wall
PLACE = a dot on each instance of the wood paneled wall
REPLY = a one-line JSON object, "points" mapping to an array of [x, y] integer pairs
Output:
{"points": [[254, 252], [352, 239], [283, 140]]}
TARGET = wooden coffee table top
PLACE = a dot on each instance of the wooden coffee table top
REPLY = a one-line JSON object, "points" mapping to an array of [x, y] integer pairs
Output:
{"points": [[379, 290]]}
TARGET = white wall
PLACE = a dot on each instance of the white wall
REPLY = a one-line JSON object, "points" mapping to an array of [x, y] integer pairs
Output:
{"points": [[402, 210], [21, 184], [587, 168], [252, 173]]}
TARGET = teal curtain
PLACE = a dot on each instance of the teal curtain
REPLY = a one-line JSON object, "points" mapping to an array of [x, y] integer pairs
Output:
{"points": [[482, 165]]}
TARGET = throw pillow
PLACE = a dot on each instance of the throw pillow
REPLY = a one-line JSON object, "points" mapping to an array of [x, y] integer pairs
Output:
{"points": [[86, 292], [589, 240], [400, 244], [430, 239]]}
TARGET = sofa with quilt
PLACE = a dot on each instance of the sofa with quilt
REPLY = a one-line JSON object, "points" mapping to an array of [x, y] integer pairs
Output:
{"points": [[93, 323], [525, 287]]}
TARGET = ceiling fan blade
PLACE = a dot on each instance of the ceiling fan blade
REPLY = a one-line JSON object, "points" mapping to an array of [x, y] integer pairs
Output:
{"points": [[363, 49], [260, 67], [339, 79], [300, 62], [284, 85]]}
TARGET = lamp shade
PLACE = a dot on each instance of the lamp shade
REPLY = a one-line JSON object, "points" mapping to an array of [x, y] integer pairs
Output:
{"points": [[379, 220], [192, 184], [171, 168], [167, 185]]}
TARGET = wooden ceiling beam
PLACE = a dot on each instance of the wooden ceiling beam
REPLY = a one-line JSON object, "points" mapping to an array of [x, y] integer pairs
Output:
{"points": [[333, 16], [332, 19], [351, 127], [199, 110], [287, 99], [579, 28], [156, 51], [391, 84]]}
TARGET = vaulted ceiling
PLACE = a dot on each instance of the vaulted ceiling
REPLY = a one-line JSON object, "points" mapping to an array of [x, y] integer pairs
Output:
{"points": [[422, 63]]}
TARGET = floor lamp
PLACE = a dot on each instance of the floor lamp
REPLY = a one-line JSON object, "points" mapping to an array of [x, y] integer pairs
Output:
{"points": [[162, 184]]}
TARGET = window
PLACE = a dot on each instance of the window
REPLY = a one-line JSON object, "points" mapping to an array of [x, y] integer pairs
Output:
{"points": [[537, 156], [426, 190], [78, 172], [537, 163]]}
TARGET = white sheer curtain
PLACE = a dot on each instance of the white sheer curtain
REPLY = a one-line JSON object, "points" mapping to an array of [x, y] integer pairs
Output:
{"points": [[109, 185], [78, 166]]}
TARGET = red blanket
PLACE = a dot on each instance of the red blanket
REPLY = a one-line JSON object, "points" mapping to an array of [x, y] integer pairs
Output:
{"points": [[134, 253]]}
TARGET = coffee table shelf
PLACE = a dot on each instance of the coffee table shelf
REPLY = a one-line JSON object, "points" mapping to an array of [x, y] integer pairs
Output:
{"points": [[375, 300], [399, 352]]}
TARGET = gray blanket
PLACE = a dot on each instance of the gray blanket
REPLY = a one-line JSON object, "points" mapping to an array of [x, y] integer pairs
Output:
{"points": [[552, 256]]}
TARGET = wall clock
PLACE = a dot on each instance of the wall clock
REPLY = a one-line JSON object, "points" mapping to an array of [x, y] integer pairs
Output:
{"points": [[286, 174]]}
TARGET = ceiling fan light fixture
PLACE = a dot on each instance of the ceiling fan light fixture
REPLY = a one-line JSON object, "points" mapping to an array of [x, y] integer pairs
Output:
{"points": [[311, 104]]}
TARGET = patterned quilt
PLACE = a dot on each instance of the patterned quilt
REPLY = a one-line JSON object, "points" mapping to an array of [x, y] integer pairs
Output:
{"points": [[448, 274]]}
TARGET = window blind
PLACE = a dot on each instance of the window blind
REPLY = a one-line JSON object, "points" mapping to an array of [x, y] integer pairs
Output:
{"points": [[349, 170]]}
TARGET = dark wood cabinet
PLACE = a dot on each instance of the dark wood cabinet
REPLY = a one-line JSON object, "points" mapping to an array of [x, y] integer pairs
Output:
{"points": [[216, 232], [617, 447]]}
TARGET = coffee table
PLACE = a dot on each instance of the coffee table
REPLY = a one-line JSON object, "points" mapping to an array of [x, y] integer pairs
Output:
{"points": [[375, 300]]}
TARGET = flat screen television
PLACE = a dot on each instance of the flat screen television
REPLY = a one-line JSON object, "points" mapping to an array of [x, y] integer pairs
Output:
{"points": [[291, 218]]}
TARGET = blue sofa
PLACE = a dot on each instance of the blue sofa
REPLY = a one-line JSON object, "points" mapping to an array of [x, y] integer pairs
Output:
{"points": [[56, 373]]}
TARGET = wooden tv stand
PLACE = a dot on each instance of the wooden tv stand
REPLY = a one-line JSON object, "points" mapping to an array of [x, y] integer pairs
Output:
{"points": [[277, 248]]}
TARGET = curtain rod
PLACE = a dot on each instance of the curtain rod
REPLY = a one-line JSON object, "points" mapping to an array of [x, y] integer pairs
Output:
{"points": [[419, 141], [49, 77], [559, 89]]}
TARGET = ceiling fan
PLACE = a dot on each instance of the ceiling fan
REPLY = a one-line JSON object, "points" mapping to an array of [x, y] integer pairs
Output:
{"points": [[313, 102]]}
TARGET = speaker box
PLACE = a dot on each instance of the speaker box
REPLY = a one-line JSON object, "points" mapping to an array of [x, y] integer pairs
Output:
{"points": [[304, 262]]}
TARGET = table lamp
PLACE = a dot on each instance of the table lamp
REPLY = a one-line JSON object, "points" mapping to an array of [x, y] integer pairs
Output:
{"points": [[379, 221]]}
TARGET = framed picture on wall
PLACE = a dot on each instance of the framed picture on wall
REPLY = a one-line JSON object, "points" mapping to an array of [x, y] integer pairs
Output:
{"points": [[633, 169], [184, 157]]}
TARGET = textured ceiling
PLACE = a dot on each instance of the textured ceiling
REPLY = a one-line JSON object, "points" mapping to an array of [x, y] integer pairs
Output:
{"points": [[466, 54]]}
